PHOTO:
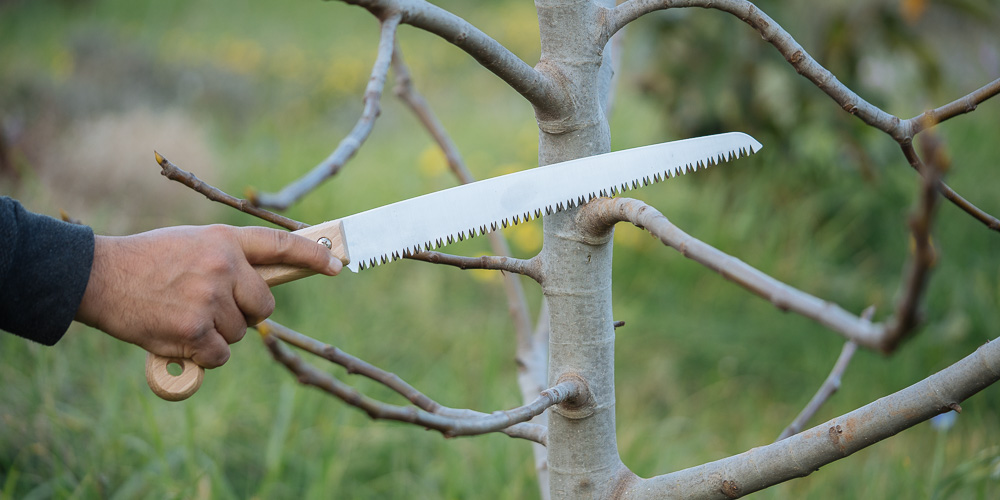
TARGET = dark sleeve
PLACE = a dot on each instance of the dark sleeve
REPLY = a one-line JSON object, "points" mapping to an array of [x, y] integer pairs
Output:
{"points": [[44, 269]]}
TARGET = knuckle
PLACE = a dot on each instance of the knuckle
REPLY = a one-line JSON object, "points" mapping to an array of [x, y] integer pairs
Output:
{"points": [[217, 261], [261, 312], [212, 279], [238, 335], [217, 231], [283, 242], [213, 358], [267, 307], [206, 296], [193, 329]]}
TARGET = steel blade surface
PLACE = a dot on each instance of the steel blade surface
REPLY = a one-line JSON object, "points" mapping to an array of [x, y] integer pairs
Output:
{"points": [[433, 220]]}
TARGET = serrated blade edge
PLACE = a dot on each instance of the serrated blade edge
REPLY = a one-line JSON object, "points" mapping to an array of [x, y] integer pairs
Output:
{"points": [[428, 222]]}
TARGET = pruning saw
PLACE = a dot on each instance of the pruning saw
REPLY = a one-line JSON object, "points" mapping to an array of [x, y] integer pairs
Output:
{"points": [[391, 232]]}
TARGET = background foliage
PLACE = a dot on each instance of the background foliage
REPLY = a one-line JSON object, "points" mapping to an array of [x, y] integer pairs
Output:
{"points": [[251, 94]]}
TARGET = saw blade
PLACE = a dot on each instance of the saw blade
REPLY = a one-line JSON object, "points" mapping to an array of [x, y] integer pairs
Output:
{"points": [[428, 222]]}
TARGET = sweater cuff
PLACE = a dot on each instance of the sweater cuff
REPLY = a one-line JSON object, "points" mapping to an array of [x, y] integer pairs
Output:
{"points": [[44, 273]]}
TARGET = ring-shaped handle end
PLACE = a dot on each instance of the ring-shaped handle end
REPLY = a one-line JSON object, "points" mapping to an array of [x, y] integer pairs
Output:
{"points": [[173, 387]]}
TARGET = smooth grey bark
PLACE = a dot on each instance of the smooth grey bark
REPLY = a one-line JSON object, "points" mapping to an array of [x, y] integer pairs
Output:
{"points": [[576, 266]]}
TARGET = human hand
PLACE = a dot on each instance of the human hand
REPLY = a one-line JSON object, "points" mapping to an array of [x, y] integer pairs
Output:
{"points": [[190, 291]]}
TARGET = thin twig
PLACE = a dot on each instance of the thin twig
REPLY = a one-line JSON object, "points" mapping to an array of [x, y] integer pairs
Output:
{"points": [[524, 267], [830, 386], [945, 190], [930, 118], [924, 257], [350, 144], [960, 202], [902, 131], [175, 173], [448, 421], [352, 364], [357, 366], [407, 92], [964, 104]]}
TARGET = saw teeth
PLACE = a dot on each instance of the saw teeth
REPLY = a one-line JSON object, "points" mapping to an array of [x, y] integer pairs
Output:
{"points": [[529, 215]]}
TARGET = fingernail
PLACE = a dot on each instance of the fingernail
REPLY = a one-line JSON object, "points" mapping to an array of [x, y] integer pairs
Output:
{"points": [[335, 264]]}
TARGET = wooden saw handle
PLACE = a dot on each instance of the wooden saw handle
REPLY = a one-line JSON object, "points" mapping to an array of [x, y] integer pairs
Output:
{"points": [[180, 387]]}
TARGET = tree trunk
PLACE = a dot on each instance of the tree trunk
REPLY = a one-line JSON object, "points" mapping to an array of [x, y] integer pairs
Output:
{"points": [[582, 447]]}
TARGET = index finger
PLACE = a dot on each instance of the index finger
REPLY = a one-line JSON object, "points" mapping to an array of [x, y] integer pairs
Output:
{"points": [[263, 245]]}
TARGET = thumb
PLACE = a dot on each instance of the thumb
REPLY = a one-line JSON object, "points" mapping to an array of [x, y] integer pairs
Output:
{"points": [[263, 245]]}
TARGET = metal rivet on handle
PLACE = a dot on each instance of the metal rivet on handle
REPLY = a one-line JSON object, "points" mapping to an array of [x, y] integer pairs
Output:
{"points": [[325, 242]]}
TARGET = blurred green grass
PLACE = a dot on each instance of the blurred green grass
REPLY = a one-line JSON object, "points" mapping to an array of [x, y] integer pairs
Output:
{"points": [[704, 370]]}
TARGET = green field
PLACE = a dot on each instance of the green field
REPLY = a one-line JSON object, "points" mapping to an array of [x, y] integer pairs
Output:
{"points": [[253, 94]]}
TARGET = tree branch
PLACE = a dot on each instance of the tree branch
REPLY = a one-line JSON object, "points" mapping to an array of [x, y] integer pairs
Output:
{"points": [[800, 455], [946, 191], [606, 211], [407, 92], [350, 144], [352, 364], [928, 119], [902, 131], [603, 212], [531, 84], [528, 267], [175, 173], [987, 219], [919, 265], [428, 413], [965, 104], [774, 34], [830, 386]]}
